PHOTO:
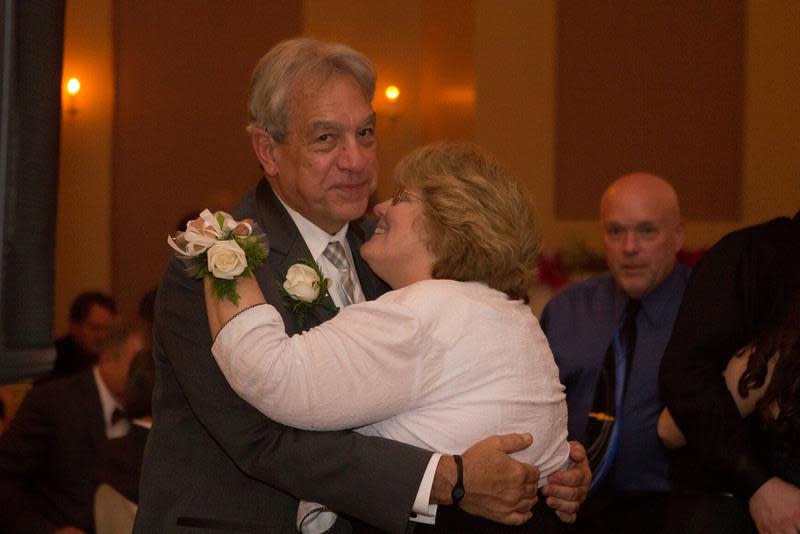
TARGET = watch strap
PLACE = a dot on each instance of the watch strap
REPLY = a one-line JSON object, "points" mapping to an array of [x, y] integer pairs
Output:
{"points": [[458, 490]]}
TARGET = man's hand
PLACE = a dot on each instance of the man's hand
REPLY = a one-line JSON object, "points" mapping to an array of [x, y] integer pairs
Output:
{"points": [[497, 487], [566, 489], [775, 507]]}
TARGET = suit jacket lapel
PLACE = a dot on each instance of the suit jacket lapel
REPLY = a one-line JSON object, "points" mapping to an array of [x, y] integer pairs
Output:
{"points": [[286, 247], [93, 408]]}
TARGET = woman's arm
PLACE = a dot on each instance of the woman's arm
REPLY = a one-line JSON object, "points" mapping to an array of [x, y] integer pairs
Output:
{"points": [[344, 373], [220, 311], [668, 430], [733, 373]]}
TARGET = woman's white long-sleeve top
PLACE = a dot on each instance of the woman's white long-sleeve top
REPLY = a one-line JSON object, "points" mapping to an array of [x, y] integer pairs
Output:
{"points": [[438, 364]]}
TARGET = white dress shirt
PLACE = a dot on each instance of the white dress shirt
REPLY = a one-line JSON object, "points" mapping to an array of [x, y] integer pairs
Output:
{"points": [[317, 240], [108, 403]]}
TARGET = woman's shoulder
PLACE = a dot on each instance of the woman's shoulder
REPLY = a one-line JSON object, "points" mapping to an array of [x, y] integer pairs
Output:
{"points": [[434, 292]]}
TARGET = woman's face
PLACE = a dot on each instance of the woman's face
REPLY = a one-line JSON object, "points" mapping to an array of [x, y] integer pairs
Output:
{"points": [[397, 251]]}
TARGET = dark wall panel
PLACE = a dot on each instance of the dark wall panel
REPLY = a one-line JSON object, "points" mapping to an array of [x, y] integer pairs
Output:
{"points": [[182, 74], [655, 86]]}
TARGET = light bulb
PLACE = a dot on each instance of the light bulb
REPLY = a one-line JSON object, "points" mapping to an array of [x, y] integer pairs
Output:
{"points": [[392, 92], [73, 86]]}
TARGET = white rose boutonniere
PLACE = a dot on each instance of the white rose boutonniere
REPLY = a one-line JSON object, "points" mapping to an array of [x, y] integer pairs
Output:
{"points": [[305, 287], [218, 246]]}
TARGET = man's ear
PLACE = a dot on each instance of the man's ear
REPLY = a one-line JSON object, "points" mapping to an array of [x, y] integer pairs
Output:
{"points": [[264, 147]]}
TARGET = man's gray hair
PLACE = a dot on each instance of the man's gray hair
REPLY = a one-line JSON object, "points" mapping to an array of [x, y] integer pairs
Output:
{"points": [[301, 60]]}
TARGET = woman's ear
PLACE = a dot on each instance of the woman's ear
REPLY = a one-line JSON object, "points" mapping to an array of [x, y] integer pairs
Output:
{"points": [[264, 147]]}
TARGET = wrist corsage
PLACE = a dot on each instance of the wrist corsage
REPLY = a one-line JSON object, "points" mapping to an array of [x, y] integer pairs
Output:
{"points": [[305, 287], [221, 248]]}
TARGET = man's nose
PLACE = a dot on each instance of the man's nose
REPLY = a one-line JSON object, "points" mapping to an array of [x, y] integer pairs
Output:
{"points": [[353, 156], [630, 242]]}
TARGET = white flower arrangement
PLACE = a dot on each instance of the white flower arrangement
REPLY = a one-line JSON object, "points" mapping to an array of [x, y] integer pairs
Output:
{"points": [[305, 287], [222, 248]]}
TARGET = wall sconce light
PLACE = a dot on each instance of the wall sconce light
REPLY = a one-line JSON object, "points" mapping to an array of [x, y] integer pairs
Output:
{"points": [[73, 88], [392, 94]]}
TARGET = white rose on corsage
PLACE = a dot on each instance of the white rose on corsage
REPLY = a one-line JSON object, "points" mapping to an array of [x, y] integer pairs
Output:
{"points": [[222, 248], [226, 259], [305, 287]]}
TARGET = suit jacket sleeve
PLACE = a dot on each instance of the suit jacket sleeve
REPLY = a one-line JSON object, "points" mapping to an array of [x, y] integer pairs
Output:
{"points": [[23, 454], [373, 479]]}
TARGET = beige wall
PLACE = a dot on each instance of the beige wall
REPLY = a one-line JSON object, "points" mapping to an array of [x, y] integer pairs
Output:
{"points": [[435, 51], [516, 106], [424, 48], [83, 231]]}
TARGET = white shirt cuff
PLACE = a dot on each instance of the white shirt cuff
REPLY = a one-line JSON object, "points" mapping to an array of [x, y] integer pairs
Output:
{"points": [[426, 512]]}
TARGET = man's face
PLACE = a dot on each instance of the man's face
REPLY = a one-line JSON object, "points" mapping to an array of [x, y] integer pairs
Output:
{"points": [[91, 332], [115, 370], [642, 236], [327, 168]]}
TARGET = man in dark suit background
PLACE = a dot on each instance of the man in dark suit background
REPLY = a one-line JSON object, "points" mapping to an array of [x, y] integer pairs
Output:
{"points": [[90, 317], [120, 459], [212, 461], [48, 453]]}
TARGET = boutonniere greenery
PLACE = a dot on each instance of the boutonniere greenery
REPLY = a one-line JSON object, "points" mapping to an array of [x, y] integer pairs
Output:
{"points": [[304, 288], [217, 246]]}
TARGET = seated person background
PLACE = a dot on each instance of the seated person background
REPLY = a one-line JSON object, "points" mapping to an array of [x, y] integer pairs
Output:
{"points": [[626, 313], [452, 354], [90, 318], [764, 380], [48, 453], [742, 287], [120, 459], [146, 312]]}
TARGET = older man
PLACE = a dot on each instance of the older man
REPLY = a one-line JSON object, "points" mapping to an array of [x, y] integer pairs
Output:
{"points": [[48, 453], [214, 462], [608, 334]]}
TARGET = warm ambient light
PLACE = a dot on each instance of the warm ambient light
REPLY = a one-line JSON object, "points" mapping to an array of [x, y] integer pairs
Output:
{"points": [[392, 92], [73, 86]]}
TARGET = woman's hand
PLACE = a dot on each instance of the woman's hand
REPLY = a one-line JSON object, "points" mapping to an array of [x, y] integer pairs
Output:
{"points": [[668, 431]]}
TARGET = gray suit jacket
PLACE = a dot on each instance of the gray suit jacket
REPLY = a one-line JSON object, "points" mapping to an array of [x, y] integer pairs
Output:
{"points": [[213, 462]]}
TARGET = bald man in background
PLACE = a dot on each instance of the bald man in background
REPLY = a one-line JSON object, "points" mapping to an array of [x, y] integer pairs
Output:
{"points": [[623, 315]]}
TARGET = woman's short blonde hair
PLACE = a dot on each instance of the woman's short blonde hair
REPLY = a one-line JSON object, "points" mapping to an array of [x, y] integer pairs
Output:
{"points": [[478, 224]]}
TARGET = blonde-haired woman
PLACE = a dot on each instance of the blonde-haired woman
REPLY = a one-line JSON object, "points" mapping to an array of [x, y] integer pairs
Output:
{"points": [[451, 355]]}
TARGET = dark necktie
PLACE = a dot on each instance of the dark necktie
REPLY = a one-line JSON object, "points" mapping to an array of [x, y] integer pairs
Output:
{"points": [[605, 419]]}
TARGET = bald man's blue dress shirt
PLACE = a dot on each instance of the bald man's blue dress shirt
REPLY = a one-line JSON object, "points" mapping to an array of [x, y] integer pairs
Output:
{"points": [[579, 323]]}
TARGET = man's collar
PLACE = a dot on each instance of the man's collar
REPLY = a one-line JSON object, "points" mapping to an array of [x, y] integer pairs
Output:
{"points": [[653, 303], [315, 237], [107, 400]]}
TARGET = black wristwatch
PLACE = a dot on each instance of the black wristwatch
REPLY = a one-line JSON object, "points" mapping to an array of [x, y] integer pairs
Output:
{"points": [[458, 490]]}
